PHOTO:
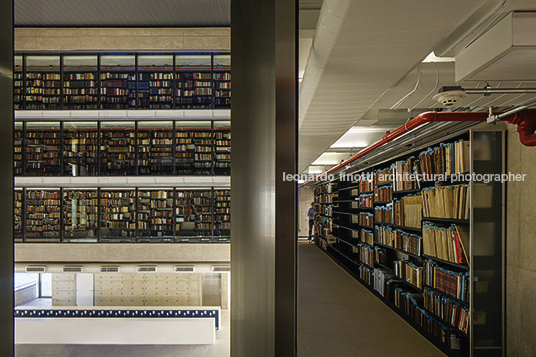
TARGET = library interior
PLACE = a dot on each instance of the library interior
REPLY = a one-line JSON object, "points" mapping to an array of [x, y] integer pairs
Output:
{"points": [[379, 187]]}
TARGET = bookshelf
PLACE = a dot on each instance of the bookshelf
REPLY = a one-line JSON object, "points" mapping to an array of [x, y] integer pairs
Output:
{"points": [[117, 215], [80, 82], [18, 149], [193, 82], [435, 253], [155, 215], [155, 81], [122, 148], [80, 149], [118, 148], [89, 81], [126, 214], [42, 82], [222, 81], [18, 214], [42, 149], [155, 148], [193, 215], [222, 215], [18, 83], [43, 215], [80, 215], [222, 148], [118, 81]]}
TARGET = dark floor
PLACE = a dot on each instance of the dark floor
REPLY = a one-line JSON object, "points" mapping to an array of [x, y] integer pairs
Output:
{"points": [[337, 317]]}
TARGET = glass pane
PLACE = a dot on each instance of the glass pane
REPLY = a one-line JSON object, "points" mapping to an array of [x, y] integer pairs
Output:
{"points": [[222, 81], [118, 82], [118, 215], [193, 82], [43, 149], [155, 148], [43, 210], [80, 149], [80, 86], [155, 81], [193, 150], [42, 82], [222, 215], [222, 147], [222, 62], [118, 148], [17, 215], [17, 149], [18, 82], [193, 62], [80, 215], [155, 215], [193, 215]]}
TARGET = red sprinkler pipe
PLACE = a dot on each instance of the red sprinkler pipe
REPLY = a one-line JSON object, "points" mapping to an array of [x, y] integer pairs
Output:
{"points": [[525, 121]]}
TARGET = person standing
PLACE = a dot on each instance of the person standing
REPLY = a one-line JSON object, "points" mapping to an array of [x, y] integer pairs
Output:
{"points": [[311, 215]]}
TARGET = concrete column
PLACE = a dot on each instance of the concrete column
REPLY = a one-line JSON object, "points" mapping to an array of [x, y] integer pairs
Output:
{"points": [[6, 179], [263, 205]]}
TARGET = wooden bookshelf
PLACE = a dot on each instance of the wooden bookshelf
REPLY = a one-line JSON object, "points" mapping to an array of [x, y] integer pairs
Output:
{"points": [[222, 148], [117, 215], [428, 281], [43, 215], [118, 148], [18, 214], [42, 149], [222, 215], [118, 82], [42, 82], [155, 215], [80, 82], [18, 83], [222, 81]]}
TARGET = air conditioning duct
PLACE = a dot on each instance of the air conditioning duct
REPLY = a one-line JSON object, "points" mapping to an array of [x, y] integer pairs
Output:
{"points": [[506, 52]]}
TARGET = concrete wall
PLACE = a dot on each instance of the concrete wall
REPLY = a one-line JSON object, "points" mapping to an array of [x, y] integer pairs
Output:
{"points": [[25, 294], [121, 39], [521, 250], [305, 197], [121, 252]]}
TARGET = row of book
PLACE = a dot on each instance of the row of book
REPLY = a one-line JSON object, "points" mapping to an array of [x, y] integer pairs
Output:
{"points": [[399, 239], [447, 309], [445, 159], [384, 214], [407, 211], [450, 202], [383, 193], [408, 271], [407, 302], [451, 283], [366, 254], [447, 243], [402, 172]]}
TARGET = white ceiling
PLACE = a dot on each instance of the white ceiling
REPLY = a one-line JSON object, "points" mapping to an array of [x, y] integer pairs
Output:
{"points": [[367, 70]]}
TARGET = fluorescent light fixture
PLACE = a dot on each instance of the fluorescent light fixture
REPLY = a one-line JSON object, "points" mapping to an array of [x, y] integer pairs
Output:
{"points": [[345, 144], [301, 181], [315, 171], [433, 58]]}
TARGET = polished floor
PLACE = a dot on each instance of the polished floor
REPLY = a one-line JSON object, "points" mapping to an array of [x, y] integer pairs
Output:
{"points": [[337, 317]]}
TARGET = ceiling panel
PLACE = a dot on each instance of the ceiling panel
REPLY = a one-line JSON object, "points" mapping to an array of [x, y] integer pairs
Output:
{"points": [[128, 13]]}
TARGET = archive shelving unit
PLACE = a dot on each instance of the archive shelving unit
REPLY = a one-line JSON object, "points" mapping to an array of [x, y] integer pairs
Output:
{"points": [[431, 247]]}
